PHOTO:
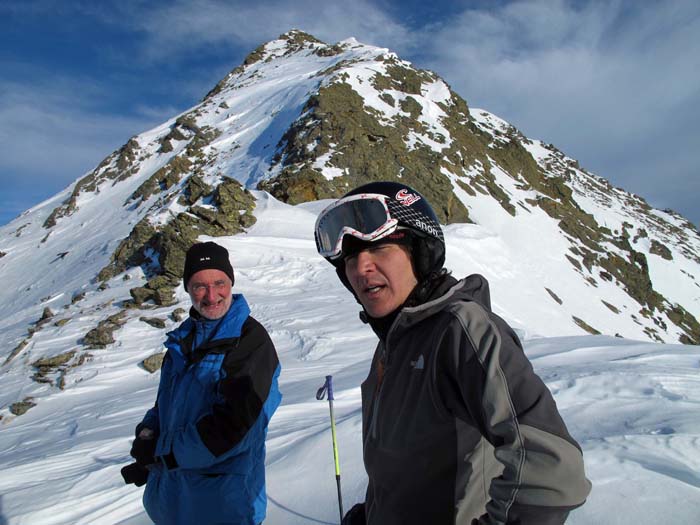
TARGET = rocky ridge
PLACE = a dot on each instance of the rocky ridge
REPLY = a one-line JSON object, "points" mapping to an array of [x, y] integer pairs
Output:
{"points": [[305, 121]]}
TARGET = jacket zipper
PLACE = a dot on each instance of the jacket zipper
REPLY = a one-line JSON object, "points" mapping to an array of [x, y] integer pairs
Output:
{"points": [[384, 360], [377, 395]]}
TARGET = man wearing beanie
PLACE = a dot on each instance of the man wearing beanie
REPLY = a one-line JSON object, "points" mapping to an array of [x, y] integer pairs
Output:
{"points": [[201, 448]]}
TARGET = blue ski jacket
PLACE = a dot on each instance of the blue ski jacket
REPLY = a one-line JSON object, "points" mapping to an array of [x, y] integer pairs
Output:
{"points": [[218, 390]]}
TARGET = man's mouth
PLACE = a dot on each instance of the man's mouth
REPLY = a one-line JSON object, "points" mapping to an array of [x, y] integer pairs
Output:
{"points": [[211, 305], [373, 289]]}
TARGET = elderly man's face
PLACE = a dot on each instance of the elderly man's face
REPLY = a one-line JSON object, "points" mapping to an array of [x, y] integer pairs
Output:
{"points": [[382, 277], [210, 292]]}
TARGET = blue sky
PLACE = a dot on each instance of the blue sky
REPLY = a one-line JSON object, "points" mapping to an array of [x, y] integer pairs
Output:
{"points": [[614, 84]]}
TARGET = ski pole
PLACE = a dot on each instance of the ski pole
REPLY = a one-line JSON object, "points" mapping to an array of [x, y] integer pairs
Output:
{"points": [[320, 394]]}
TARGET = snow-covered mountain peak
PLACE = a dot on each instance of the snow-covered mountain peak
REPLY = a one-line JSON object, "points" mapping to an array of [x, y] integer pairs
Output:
{"points": [[93, 277], [306, 120]]}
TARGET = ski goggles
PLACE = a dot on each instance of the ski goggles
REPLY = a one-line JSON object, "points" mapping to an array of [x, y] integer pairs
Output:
{"points": [[365, 216]]}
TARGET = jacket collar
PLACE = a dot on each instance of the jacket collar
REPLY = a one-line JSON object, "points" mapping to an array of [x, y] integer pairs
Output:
{"points": [[229, 327], [431, 298]]}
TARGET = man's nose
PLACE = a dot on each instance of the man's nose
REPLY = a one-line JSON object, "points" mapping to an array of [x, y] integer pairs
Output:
{"points": [[211, 293], [365, 261]]}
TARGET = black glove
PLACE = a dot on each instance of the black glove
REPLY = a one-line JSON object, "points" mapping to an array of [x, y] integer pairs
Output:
{"points": [[143, 450], [355, 516], [136, 474]]}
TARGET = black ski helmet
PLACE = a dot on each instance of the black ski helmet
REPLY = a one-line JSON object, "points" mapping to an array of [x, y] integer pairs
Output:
{"points": [[412, 212]]}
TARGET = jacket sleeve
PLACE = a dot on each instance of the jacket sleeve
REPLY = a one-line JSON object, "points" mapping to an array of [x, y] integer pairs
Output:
{"points": [[151, 419], [248, 395], [491, 384]]}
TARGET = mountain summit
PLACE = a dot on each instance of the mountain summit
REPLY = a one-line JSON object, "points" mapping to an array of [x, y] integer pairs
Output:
{"points": [[303, 120]]}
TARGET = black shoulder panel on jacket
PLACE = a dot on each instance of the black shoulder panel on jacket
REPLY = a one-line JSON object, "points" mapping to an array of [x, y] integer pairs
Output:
{"points": [[250, 366]]}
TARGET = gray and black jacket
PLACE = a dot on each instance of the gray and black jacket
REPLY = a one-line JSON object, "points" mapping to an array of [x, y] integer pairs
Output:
{"points": [[457, 427]]}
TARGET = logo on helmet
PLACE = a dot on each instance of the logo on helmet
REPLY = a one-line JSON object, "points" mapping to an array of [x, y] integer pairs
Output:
{"points": [[406, 198], [427, 228]]}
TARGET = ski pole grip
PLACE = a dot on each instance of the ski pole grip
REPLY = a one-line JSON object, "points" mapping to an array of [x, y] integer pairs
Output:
{"points": [[327, 387], [329, 384]]}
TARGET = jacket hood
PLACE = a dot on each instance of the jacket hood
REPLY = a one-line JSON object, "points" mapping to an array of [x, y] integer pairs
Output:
{"points": [[474, 288]]}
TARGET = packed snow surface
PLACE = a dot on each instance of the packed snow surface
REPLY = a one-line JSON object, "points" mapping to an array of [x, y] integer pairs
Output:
{"points": [[633, 406]]}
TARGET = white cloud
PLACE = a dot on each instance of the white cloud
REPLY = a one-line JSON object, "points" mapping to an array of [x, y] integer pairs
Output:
{"points": [[53, 129], [612, 83], [185, 27], [604, 81]]}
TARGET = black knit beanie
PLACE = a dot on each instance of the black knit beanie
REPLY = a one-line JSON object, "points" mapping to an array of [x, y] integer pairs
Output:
{"points": [[206, 256]]}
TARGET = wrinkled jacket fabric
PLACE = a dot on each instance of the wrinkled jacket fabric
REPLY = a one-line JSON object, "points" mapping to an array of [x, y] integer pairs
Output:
{"points": [[457, 427], [218, 390]]}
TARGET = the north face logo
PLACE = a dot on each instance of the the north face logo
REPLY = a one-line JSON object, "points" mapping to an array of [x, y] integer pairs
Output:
{"points": [[418, 364]]}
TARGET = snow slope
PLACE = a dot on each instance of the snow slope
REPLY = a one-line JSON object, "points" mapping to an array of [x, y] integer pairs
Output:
{"points": [[527, 255], [632, 405]]}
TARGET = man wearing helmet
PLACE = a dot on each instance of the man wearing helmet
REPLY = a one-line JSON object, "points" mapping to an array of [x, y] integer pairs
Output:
{"points": [[457, 427]]}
